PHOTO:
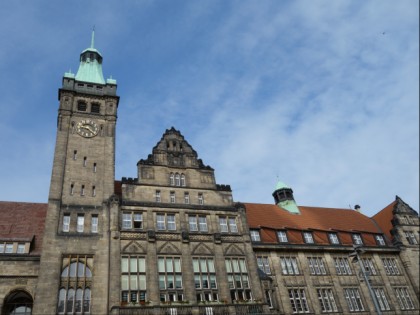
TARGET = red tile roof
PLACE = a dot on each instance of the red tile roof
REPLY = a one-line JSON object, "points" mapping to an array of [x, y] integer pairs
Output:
{"points": [[384, 219], [270, 218], [22, 221]]}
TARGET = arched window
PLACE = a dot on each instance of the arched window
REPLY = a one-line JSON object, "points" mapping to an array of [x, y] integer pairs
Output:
{"points": [[18, 302], [172, 179], [74, 295], [177, 180], [182, 180]]}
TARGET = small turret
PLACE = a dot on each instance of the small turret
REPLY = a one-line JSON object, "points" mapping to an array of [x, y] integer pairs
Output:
{"points": [[283, 197], [90, 68]]}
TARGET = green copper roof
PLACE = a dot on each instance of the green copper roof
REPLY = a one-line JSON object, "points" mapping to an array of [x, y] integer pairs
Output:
{"points": [[90, 68], [280, 185], [289, 205]]}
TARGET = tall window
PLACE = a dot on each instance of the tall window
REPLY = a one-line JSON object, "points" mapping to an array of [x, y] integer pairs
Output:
{"points": [[177, 180], [157, 196], [66, 222], [172, 197], [333, 237], [404, 299], [282, 236], [94, 224], [197, 223], [200, 199], [76, 278], [255, 235], [326, 300], [382, 299], [289, 266], [80, 223], [228, 224], [357, 239], [133, 279], [411, 238], [390, 265], [342, 266], [82, 190], [298, 301], [170, 279], [316, 266], [182, 180], [165, 222], [369, 266], [264, 264], [205, 279], [238, 279], [186, 198], [172, 179], [308, 238], [353, 299]]}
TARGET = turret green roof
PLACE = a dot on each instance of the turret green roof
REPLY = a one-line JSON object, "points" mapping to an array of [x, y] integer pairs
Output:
{"points": [[90, 68], [281, 185]]}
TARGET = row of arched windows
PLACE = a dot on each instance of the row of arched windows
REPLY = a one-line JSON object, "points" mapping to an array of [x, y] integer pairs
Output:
{"points": [[176, 179]]}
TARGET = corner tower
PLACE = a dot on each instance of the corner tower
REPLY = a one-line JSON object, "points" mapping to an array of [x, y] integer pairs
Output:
{"points": [[74, 261]]}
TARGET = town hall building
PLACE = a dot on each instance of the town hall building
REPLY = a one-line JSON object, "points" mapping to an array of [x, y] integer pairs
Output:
{"points": [[174, 241]]}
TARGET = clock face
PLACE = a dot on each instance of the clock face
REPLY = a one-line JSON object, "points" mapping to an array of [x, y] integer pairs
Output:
{"points": [[87, 128]]}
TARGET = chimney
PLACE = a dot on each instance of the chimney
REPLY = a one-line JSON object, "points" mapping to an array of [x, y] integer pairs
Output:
{"points": [[357, 208]]}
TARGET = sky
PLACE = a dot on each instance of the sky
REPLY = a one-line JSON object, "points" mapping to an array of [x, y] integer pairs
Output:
{"points": [[322, 95]]}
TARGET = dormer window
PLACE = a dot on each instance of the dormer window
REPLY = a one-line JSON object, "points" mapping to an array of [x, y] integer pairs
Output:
{"points": [[282, 236], [380, 240], [357, 239], [333, 237], [255, 235], [308, 238]]}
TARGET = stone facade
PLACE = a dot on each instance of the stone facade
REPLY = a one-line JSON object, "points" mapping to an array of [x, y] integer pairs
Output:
{"points": [[173, 241]]}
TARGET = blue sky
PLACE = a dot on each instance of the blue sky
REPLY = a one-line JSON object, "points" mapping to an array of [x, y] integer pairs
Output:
{"points": [[323, 95]]}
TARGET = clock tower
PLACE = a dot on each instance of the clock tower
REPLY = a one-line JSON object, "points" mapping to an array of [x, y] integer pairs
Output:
{"points": [[75, 261]]}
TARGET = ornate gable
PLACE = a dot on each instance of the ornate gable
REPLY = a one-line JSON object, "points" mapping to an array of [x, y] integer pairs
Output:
{"points": [[202, 249], [402, 208], [174, 150], [169, 248], [133, 248]]}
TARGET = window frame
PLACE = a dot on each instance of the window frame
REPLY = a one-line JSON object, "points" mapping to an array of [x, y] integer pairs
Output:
{"points": [[357, 239], [289, 266], [255, 235], [308, 237], [327, 300], [166, 222], [333, 238], [282, 236]]}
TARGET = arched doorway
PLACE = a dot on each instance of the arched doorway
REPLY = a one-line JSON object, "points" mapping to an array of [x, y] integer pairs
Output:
{"points": [[18, 302]]}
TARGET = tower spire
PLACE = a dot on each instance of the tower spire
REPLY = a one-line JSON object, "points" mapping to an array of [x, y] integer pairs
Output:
{"points": [[92, 42]]}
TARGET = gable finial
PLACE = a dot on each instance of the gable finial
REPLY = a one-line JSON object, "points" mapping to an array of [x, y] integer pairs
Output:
{"points": [[92, 43]]}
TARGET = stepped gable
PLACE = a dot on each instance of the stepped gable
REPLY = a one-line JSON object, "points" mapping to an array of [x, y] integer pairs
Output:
{"points": [[386, 217], [174, 150], [23, 221], [271, 218]]}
